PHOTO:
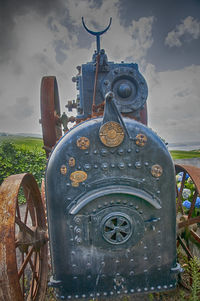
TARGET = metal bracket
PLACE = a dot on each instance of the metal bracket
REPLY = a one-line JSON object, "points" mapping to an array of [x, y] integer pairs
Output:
{"points": [[97, 33]]}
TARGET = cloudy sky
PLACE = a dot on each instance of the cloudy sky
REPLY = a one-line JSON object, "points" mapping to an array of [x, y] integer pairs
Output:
{"points": [[39, 38]]}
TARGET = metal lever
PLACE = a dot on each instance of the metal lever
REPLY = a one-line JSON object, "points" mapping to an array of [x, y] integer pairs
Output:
{"points": [[97, 33]]}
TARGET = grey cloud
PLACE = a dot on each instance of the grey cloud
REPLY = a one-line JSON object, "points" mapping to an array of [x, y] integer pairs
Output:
{"points": [[186, 31], [22, 108], [60, 48], [182, 93]]}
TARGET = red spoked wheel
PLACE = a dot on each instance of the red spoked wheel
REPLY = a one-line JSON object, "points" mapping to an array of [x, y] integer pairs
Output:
{"points": [[23, 243], [50, 113], [188, 215]]}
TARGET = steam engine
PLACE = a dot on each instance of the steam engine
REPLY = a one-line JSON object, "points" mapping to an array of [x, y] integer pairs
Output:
{"points": [[110, 189]]}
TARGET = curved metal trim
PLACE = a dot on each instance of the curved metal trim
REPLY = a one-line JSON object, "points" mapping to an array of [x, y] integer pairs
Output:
{"points": [[90, 196], [96, 33]]}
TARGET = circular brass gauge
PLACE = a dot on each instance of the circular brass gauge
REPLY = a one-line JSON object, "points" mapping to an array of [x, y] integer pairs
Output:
{"points": [[111, 134]]}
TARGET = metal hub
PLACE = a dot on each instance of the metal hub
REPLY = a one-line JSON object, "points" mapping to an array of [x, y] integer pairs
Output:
{"points": [[116, 228]]}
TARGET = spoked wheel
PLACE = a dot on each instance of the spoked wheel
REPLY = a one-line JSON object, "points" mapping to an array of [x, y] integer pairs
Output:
{"points": [[50, 112], [188, 214], [23, 243]]}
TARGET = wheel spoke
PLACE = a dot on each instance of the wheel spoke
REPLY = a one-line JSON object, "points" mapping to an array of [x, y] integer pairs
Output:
{"points": [[192, 204], [24, 264], [23, 227]]}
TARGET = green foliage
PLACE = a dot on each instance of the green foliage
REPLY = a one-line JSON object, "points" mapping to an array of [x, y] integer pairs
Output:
{"points": [[176, 154], [193, 269], [16, 160]]}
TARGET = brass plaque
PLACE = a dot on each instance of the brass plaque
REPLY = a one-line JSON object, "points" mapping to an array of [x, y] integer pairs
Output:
{"points": [[83, 142], [156, 170], [77, 177], [111, 134], [63, 169], [72, 161], [141, 140]]}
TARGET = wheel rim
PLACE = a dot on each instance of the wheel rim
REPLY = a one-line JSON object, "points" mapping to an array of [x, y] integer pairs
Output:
{"points": [[23, 247], [50, 112], [188, 214]]}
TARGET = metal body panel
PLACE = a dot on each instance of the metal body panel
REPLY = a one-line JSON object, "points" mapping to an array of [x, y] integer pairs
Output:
{"points": [[113, 230]]}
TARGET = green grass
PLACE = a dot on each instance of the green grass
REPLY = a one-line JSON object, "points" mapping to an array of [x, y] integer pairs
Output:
{"points": [[28, 143], [176, 154]]}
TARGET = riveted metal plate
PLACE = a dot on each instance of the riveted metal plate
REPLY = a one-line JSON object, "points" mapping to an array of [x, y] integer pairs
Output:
{"points": [[83, 142], [111, 134], [156, 170]]}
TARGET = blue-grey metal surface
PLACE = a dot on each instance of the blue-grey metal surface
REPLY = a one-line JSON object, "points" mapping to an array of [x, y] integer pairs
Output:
{"points": [[111, 215], [124, 79]]}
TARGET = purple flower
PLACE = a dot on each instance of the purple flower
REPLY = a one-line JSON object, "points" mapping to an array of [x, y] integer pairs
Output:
{"points": [[187, 204]]}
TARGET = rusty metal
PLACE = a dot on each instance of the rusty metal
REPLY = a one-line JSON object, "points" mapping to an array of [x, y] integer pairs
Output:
{"points": [[77, 177], [50, 113], [23, 241], [83, 142]]}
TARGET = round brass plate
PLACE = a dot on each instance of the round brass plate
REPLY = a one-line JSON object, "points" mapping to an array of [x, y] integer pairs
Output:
{"points": [[156, 170], [141, 140], [111, 134]]}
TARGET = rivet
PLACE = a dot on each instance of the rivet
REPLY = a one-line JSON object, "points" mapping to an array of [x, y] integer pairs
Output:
{"points": [[89, 277], [159, 231], [164, 286], [111, 293], [159, 244], [116, 71], [129, 150], [159, 287], [146, 289], [69, 297], [99, 206], [146, 163], [121, 165], [91, 295], [131, 204], [76, 296], [102, 263], [103, 276], [96, 166], [118, 292], [132, 290], [87, 166], [137, 150], [73, 265], [71, 226], [139, 289], [159, 269], [131, 260], [105, 294], [125, 291], [78, 240], [69, 199], [98, 294], [77, 220], [112, 165], [88, 264], [79, 167], [131, 273], [136, 207], [112, 202], [138, 164], [158, 191], [120, 151], [118, 274], [129, 164], [104, 166], [104, 152], [125, 202], [118, 201], [145, 271], [62, 297], [68, 184], [74, 277], [94, 210], [83, 296], [145, 258], [106, 82], [105, 203], [152, 288], [86, 152], [171, 285], [140, 211], [95, 151], [117, 261]]}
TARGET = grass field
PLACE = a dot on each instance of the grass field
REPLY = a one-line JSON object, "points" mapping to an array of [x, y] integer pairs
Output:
{"points": [[32, 143], [24, 142]]}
